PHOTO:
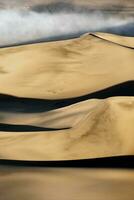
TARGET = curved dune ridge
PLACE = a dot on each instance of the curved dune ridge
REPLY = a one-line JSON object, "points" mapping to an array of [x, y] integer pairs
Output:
{"points": [[67, 100]]}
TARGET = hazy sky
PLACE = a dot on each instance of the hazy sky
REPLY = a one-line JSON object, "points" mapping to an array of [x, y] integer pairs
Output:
{"points": [[31, 20]]}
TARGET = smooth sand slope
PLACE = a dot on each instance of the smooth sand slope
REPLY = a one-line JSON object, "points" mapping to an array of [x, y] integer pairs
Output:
{"points": [[39, 120], [65, 69], [64, 184]]}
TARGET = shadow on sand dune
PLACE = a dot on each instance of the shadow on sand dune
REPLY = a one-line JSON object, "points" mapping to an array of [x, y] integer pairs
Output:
{"points": [[15, 104], [109, 162], [25, 128]]}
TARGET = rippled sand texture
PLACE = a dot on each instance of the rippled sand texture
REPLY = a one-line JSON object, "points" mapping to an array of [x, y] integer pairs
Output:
{"points": [[49, 105], [64, 184]]}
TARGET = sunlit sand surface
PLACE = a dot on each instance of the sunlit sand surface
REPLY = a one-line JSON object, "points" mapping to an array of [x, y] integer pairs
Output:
{"points": [[39, 118], [66, 107], [66, 69]]}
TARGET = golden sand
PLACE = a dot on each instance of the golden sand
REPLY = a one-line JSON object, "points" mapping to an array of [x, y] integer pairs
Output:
{"points": [[63, 184], [61, 70]]}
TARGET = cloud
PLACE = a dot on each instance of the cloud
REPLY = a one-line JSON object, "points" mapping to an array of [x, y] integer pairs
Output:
{"points": [[68, 7], [17, 26]]}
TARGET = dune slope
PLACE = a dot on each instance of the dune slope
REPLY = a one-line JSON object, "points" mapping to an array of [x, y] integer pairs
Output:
{"points": [[65, 69], [67, 100]]}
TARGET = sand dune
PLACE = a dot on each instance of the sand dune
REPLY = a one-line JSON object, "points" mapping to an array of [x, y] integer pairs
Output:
{"points": [[67, 100], [104, 128], [71, 68], [123, 41], [24, 183], [66, 103]]}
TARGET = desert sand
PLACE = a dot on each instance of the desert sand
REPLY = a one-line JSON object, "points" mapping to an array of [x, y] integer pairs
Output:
{"points": [[39, 183], [49, 105], [66, 69]]}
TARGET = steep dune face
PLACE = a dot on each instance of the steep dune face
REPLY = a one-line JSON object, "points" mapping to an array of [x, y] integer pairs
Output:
{"points": [[52, 104], [123, 41]]}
